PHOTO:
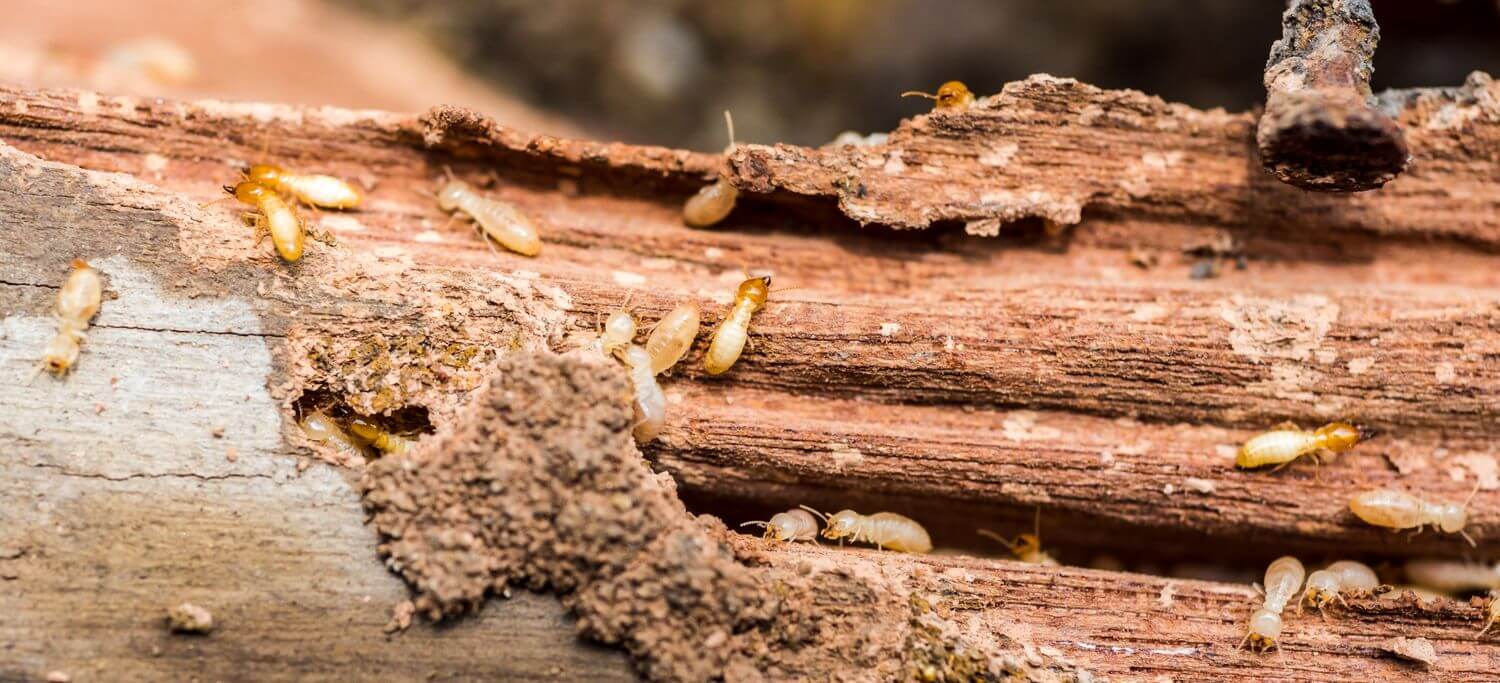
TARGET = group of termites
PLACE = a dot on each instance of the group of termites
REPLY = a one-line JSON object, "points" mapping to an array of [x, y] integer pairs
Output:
{"points": [[272, 190]]}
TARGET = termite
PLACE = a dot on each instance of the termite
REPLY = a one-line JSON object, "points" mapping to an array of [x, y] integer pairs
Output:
{"points": [[1491, 611], [729, 340], [384, 441], [950, 95], [499, 220], [650, 402], [276, 216], [77, 302], [1285, 443], [713, 202], [1400, 510], [320, 428], [1453, 576], [1345, 577], [673, 336], [1283, 581], [1026, 547], [793, 525], [313, 189], [619, 331], [886, 530]]}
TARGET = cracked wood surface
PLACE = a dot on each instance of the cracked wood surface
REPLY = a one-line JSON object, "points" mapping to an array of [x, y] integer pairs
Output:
{"points": [[935, 369]]}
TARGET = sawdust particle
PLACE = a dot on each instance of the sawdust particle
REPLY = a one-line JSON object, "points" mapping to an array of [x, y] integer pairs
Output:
{"points": [[1445, 373], [1203, 486], [1418, 650], [1361, 365], [189, 618]]}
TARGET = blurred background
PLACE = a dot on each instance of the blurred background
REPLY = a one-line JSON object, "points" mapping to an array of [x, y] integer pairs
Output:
{"points": [[661, 71]]}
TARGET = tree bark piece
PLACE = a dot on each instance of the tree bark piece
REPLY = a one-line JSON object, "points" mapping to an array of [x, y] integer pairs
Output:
{"points": [[1321, 129], [958, 340]]}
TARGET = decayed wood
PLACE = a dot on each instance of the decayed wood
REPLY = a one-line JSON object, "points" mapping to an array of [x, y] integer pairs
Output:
{"points": [[1321, 129], [894, 374], [1053, 147]]}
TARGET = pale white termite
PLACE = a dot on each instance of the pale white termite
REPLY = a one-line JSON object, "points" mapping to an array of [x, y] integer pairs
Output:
{"points": [[619, 331], [383, 440], [650, 402], [1453, 576], [499, 220], [1345, 577], [313, 189], [77, 302], [1400, 510], [793, 525], [673, 336], [318, 427], [713, 202], [1283, 582], [886, 530], [276, 217], [1026, 547], [729, 340], [1491, 610]]}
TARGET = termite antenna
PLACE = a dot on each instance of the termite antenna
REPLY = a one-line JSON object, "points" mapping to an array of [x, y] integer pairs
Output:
{"points": [[919, 93], [729, 124], [1468, 538], [1472, 494], [448, 172], [1009, 545], [756, 522], [815, 512]]}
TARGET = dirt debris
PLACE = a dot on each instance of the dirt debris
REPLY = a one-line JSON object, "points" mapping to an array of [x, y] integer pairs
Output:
{"points": [[189, 618], [1418, 650], [538, 483]]}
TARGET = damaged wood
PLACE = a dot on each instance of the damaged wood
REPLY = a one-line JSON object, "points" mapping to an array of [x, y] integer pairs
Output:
{"points": [[538, 482], [977, 376], [1321, 129]]}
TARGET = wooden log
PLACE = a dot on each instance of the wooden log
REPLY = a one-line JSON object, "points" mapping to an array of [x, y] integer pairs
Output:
{"points": [[403, 314]]}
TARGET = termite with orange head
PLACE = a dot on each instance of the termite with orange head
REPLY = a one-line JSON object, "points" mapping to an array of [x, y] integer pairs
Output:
{"points": [[729, 340], [313, 189], [672, 336], [1283, 582], [1026, 547], [793, 525], [1285, 443], [387, 442], [886, 530], [950, 95], [1400, 510], [1345, 577], [713, 202], [77, 302], [276, 217], [650, 402], [498, 220]]}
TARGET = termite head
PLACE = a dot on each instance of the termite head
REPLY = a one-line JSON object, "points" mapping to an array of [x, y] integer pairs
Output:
{"points": [[756, 289], [363, 430], [619, 330], [61, 353], [248, 191], [451, 193], [266, 174], [950, 95], [841, 524], [1341, 436], [1322, 588], [1450, 517], [1265, 628]]}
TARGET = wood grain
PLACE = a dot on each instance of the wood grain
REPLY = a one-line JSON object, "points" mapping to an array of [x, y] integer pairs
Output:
{"points": [[977, 375]]}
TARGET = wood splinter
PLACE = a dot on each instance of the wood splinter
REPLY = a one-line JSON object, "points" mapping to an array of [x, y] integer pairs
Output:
{"points": [[1321, 129]]}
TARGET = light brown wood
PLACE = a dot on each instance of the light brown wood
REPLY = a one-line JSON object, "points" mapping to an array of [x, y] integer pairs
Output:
{"points": [[968, 377]]}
